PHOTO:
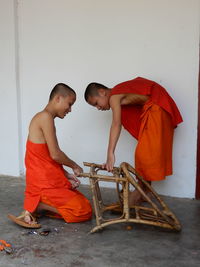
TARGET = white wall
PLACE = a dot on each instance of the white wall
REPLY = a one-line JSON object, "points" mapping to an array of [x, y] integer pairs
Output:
{"points": [[10, 156], [77, 42]]}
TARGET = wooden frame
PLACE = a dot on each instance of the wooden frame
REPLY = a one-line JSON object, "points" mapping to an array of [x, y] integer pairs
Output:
{"points": [[153, 212]]}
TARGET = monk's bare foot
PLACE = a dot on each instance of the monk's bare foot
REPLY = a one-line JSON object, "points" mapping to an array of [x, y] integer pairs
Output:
{"points": [[28, 217], [135, 198], [25, 219]]}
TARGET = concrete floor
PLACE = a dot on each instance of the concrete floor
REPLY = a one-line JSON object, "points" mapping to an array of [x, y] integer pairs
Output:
{"points": [[71, 245]]}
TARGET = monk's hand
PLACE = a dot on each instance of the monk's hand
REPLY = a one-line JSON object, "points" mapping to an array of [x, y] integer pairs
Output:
{"points": [[73, 180], [110, 162], [77, 170]]}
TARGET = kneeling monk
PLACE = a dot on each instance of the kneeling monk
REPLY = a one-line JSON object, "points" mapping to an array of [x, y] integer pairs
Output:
{"points": [[48, 186]]}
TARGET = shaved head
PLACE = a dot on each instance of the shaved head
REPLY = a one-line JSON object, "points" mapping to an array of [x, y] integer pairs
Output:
{"points": [[62, 90], [92, 90]]}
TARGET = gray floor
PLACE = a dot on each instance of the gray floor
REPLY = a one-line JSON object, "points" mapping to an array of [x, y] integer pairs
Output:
{"points": [[71, 245]]}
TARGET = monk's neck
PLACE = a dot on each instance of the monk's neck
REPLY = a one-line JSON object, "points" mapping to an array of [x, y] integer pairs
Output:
{"points": [[49, 108], [108, 92]]}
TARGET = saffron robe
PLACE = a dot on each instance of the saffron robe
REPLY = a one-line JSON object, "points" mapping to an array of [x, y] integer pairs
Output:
{"points": [[46, 182], [152, 125]]}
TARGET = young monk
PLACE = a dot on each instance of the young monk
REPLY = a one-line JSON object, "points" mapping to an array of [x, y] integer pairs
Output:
{"points": [[148, 113], [48, 186]]}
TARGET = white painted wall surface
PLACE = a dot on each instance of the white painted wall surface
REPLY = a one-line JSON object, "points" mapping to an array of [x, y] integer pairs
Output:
{"points": [[77, 42], [9, 131]]}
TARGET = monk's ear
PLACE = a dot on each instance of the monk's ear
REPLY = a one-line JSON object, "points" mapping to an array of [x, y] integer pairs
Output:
{"points": [[101, 92], [57, 98]]}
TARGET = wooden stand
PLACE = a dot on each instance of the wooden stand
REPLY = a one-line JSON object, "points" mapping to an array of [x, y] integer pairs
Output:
{"points": [[153, 212]]}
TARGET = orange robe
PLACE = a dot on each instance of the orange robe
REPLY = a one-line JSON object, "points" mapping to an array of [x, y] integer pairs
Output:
{"points": [[46, 182], [152, 125]]}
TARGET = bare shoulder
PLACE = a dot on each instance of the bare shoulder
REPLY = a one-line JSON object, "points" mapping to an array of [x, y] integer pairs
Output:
{"points": [[116, 100], [41, 123], [42, 117]]}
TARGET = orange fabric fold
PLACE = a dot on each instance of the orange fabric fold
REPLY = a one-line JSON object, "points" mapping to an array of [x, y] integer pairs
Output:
{"points": [[153, 155], [152, 125], [130, 114], [46, 181], [77, 209]]}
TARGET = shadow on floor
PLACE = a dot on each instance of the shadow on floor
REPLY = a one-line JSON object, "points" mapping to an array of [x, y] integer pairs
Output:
{"points": [[72, 245]]}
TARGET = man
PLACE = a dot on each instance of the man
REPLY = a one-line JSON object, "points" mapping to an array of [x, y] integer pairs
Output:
{"points": [[48, 186], [149, 114]]}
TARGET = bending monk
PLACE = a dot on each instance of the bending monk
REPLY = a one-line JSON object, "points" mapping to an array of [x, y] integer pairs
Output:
{"points": [[149, 114], [48, 186]]}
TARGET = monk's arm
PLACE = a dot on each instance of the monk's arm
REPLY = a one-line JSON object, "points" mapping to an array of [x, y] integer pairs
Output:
{"points": [[114, 131], [49, 132]]}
